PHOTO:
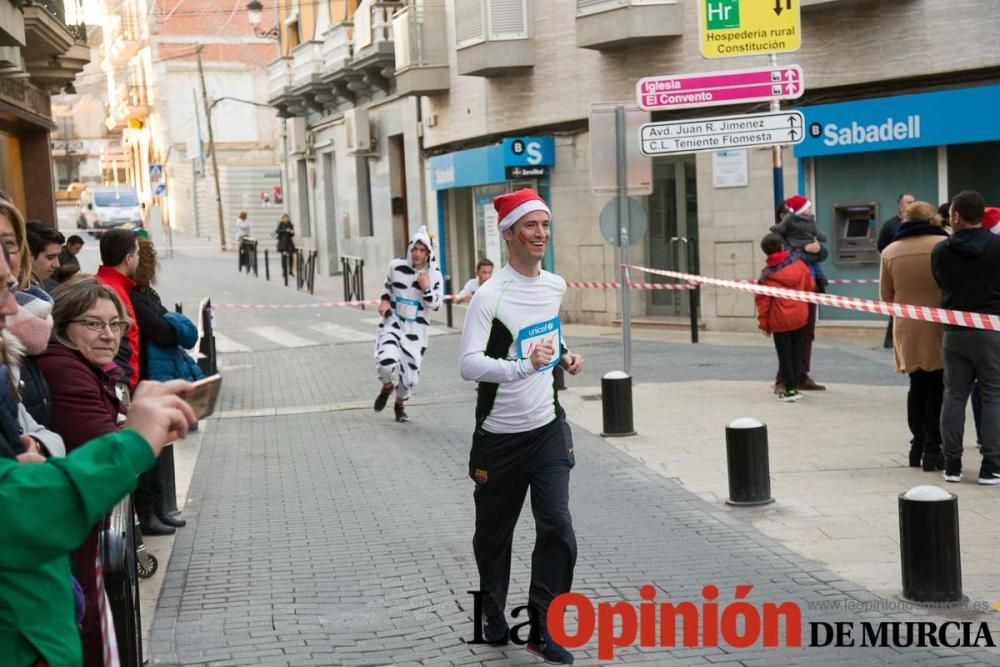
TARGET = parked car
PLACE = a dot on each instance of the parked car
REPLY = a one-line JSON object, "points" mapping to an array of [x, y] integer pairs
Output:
{"points": [[115, 206]]}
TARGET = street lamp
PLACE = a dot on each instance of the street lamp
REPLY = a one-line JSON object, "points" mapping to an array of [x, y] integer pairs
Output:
{"points": [[254, 11]]}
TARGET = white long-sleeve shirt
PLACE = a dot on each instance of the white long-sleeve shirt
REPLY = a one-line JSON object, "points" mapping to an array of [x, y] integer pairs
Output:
{"points": [[508, 315]]}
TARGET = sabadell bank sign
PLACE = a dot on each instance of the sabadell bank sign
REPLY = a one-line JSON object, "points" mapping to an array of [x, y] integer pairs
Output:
{"points": [[958, 116]]}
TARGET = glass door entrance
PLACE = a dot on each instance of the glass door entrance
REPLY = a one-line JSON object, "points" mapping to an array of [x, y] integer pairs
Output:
{"points": [[673, 231]]}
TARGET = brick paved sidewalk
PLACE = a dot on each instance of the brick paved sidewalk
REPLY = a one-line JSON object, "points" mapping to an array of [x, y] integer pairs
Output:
{"points": [[342, 538]]}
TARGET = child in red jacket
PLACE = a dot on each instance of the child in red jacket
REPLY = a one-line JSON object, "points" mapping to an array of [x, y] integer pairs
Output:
{"points": [[783, 318]]}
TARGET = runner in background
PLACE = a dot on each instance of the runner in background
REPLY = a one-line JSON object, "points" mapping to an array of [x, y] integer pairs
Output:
{"points": [[413, 286], [511, 342], [484, 269]]}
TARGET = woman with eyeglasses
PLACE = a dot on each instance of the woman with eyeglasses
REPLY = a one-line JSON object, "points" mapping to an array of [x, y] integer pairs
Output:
{"points": [[89, 321], [31, 324]]}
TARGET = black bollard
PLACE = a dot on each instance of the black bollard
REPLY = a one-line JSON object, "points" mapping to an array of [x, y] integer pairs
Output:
{"points": [[447, 304], [168, 480], [616, 400], [746, 459], [930, 554], [558, 378], [267, 266]]}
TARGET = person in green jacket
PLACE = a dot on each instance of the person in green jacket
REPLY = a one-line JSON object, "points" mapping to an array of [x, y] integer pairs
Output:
{"points": [[47, 509]]}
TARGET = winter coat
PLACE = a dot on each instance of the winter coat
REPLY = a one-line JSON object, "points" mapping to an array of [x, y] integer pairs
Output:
{"points": [[85, 403], [905, 277], [284, 233], [149, 312], [27, 377], [779, 315], [171, 362], [967, 267], [48, 511], [85, 406]]}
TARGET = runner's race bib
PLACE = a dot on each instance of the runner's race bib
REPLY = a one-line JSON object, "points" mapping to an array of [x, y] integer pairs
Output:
{"points": [[407, 309], [536, 334]]}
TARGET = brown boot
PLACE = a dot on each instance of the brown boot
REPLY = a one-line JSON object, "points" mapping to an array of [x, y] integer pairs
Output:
{"points": [[811, 385], [779, 388]]}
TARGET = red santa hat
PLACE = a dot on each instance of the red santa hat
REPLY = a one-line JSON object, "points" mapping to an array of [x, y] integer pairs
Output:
{"points": [[991, 219], [513, 206], [798, 203]]}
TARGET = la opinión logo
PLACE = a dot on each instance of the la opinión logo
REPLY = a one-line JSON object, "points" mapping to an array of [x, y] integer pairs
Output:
{"points": [[708, 623]]}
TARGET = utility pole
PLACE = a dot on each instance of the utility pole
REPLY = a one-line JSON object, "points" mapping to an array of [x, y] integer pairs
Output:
{"points": [[211, 149]]}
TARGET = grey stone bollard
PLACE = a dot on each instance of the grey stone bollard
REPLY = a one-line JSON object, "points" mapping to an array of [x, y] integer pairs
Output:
{"points": [[929, 550], [748, 464]]}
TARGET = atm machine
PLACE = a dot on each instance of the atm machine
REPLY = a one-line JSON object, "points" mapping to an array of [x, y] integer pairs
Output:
{"points": [[855, 232]]}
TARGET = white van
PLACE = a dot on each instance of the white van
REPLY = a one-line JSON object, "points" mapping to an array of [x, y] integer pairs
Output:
{"points": [[115, 206]]}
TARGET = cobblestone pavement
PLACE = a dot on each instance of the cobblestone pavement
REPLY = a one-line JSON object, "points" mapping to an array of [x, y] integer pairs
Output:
{"points": [[323, 534]]}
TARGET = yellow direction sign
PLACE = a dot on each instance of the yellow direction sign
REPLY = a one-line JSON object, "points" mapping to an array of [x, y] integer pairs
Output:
{"points": [[748, 27]]}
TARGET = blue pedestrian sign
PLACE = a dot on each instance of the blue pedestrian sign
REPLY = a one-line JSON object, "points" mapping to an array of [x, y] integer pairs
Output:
{"points": [[155, 173]]}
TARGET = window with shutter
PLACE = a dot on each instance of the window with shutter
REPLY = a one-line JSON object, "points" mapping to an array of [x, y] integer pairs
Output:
{"points": [[594, 6], [508, 19], [469, 21]]}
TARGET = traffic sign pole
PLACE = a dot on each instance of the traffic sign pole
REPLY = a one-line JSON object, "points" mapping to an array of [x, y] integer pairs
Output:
{"points": [[623, 239], [776, 166]]}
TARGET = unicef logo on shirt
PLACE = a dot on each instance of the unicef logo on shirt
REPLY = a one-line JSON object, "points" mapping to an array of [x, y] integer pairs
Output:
{"points": [[550, 326]]}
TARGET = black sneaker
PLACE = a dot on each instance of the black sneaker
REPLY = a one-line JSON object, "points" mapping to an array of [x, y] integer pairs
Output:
{"points": [[933, 461], [400, 413], [548, 650], [496, 631], [382, 399], [989, 473], [953, 470]]}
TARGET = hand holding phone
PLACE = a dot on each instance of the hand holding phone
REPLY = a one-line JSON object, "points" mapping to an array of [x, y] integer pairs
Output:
{"points": [[203, 395]]}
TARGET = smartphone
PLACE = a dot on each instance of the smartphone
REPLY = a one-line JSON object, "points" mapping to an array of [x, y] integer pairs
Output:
{"points": [[203, 396]]}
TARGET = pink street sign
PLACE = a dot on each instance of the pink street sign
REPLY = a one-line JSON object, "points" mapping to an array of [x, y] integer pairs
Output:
{"points": [[687, 91]]}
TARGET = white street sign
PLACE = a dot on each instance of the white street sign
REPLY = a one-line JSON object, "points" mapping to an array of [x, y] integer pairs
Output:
{"points": [[721, 133]]}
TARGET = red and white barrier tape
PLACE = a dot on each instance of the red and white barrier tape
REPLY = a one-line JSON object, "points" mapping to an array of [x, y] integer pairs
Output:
{"points": [[653, 286], [375, 302], [852, 281], [923, 313]]}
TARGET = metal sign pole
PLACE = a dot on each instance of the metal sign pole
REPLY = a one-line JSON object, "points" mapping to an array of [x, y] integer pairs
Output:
{"points": [[779, 179], [623, 239]]}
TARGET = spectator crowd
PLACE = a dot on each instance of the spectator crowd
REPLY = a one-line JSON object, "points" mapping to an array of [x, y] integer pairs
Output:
{"points": [[80, 429]]}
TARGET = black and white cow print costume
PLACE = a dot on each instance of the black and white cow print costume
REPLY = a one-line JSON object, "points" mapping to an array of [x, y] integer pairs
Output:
{"points": [[402, 336]]}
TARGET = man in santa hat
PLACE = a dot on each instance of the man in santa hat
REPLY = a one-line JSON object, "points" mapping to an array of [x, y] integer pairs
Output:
{"points": [[511, 343], [413, 287]]}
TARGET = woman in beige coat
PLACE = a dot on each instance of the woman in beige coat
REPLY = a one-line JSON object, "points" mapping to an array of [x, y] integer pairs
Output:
{"points": [[906, 278]]}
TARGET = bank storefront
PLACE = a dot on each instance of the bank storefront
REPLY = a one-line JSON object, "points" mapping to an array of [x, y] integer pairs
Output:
{"points": [[466, 182], [859, 156]]}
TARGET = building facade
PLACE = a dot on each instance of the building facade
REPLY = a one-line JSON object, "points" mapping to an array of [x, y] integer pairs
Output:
{"points": [[161, 64], [472, 80], [39, 55]]}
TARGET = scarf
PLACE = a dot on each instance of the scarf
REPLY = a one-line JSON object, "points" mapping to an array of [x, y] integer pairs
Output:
{"points": [[918, 228]]}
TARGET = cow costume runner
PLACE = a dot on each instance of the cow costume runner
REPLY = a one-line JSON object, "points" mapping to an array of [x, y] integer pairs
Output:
{"points": [[413, 286]]}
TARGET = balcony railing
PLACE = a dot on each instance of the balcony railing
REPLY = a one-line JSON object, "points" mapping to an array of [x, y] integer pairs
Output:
{"points": [[420, 35], [54, 7], [373, 23], [26, 96], [307, 60], [279, 77], [137, 96], [337, 46]]}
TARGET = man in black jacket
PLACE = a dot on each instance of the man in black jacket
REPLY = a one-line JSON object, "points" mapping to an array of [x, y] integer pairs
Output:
{"points": [[967, 267]]}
